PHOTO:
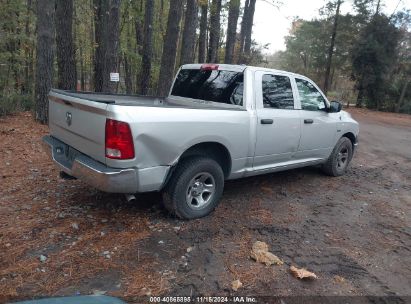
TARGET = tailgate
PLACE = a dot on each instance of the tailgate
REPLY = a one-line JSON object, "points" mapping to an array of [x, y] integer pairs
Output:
{"points": [[78, 122]]}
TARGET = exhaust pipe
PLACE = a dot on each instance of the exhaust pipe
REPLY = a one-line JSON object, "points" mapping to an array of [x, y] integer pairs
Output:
{"points": [[130, 198], [66, 176]]}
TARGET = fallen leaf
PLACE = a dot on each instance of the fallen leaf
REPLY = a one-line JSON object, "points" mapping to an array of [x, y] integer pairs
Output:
{"points": [[261, 254], [267, 190], [301, 273], [339, 279], [260, 246], [236, 285]]}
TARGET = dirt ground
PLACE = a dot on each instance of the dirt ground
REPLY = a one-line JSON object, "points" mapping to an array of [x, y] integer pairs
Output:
{"points": [[62, 237]]}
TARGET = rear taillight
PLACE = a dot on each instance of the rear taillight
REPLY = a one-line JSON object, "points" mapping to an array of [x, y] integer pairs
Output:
{"points": [[119, 141]]}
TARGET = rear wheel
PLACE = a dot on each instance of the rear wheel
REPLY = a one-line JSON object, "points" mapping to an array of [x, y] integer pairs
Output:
{"points": [[339, 159], [195, 188]]}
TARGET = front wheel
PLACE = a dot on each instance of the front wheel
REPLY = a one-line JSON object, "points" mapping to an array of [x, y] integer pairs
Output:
{"points": [[195, 188], [340, 157]]}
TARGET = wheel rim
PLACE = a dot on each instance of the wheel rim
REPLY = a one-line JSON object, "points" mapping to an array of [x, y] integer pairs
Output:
{"points": [[342, 158], [200, 190]]}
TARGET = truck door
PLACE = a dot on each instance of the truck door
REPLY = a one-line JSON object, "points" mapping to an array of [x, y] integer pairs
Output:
{"points": [[318, 127], [278, 121]]}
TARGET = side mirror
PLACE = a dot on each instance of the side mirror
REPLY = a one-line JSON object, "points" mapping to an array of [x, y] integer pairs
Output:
{"points": [[335, 107]]}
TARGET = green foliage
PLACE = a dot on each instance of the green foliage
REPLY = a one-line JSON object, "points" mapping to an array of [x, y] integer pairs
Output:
{"points": [[374, 56], [371, 59], [372, 51], [306, 46], [16, 55], [257, 54], [13, 103], [83, 33]]}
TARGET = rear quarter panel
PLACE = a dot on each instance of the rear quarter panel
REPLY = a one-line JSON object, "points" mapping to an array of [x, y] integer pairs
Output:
{"points": [[161, 135]]}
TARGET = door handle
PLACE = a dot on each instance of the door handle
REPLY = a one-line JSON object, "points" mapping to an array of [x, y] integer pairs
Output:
{"points": [[308, 121], [266, 121]]}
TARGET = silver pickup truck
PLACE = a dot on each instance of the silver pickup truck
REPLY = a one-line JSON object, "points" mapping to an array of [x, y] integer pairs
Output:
{"points": [[219, 122]]}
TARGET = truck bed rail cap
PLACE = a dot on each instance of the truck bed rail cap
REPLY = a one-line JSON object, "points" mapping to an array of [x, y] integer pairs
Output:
{"points": [[91, 96]]}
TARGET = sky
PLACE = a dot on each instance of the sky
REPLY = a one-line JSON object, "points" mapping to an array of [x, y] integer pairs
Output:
{"points": [[271, 24]]}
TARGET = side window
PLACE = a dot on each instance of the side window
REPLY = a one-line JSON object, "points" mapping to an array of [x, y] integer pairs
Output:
{"points": [[277, 92], [311, 99]]}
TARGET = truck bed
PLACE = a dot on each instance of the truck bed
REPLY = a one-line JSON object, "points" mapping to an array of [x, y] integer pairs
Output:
{"points": [[146, 101]]}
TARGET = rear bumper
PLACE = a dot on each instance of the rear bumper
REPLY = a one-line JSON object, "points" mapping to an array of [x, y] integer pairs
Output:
{"points": [[96, 174]]}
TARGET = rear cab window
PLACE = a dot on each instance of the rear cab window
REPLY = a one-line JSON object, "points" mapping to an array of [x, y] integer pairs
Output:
{"points": [[221, 86]]}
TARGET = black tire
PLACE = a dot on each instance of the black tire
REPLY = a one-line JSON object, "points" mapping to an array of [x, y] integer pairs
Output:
{"points": [[337, 164], [177, 193]]}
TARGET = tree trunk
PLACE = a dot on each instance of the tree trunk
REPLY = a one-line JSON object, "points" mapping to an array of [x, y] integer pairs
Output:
{"points": [[249, 29], [360, 95], [147, 47], [243, 30], [246, 31], [128, 70], [74, 37], [303, 57], [333, 83], [160, 18], [82, 78], [189, 33], [139, 34], [214, 31], [113, 45], [331, 49], [360, 98], [168, 58], [377, 10], [44, 57], [202, 40], [400, 100], [233, 13], [91, 45], [25, 89], [100, 7], [107, 23], [65, 45]]}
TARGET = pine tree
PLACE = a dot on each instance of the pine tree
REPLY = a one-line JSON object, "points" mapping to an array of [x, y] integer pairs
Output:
{"points": [[168, 58], [67, 77], [213, 45], [331, 48], [107, 22], [233, 13], [189, 33], [44, 58], [147, 47], [202, 39]]}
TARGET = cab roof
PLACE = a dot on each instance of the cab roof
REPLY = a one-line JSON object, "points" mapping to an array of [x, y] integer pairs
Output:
{"points": [[235, 68]]}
